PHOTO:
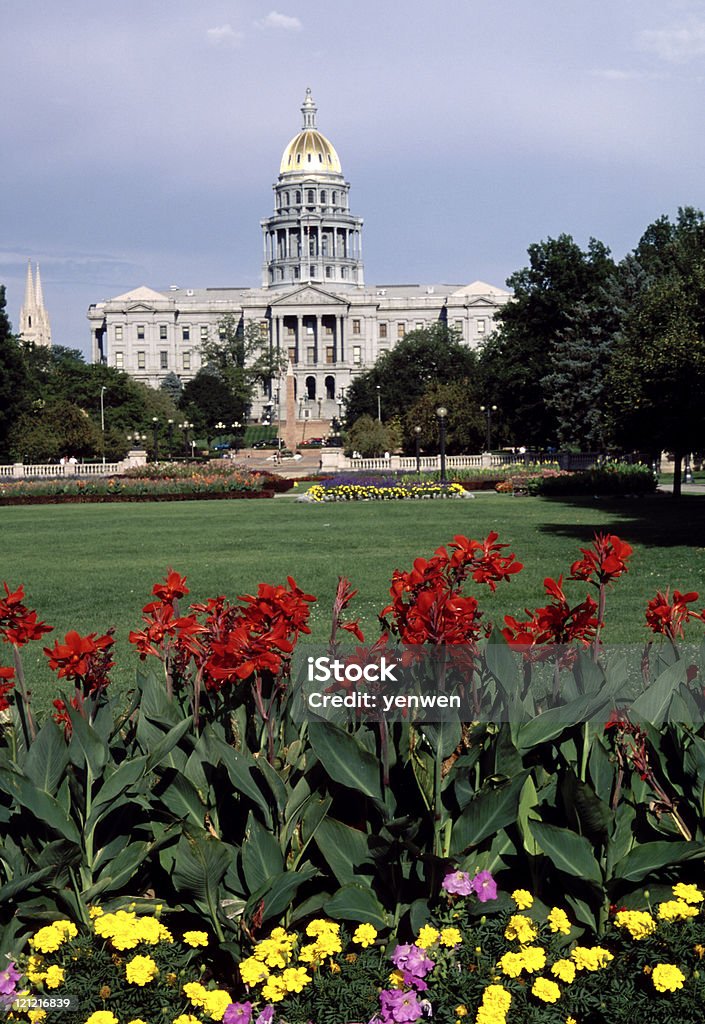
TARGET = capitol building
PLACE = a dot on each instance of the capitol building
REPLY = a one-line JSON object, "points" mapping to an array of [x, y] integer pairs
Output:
{"points": [[313, 308]]}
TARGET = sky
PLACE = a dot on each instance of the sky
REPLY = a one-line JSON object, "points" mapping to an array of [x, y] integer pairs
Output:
{"points": [[141, 140]]}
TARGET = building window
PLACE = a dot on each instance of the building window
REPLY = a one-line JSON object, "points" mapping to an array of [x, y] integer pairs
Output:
{"points": [[343, 273], [263, 330], [204, 332], [329, 271], [312, 270], [401, 329], [141, 361], [383, 330], [459, 326], [286, 198], [329, 354], [162, 332], [334, 198], [186, 333], [311, 354], [480, 326], [356, 326], [292, 354], [357, 355], [311, 197], [186, 360], [140, 332], [120, 360], [163, 360], [297, 273], [419, 325], [118, 332], [323, 197], [298, 198]]}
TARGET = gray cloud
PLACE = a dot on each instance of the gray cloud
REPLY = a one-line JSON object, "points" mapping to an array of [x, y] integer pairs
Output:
{"points": [[224, 35]]}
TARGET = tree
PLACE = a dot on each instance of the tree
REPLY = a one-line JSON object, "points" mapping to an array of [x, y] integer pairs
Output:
{"points": [[465, 422], [242, 357], [422, 358], [370, 438], [56, 429], [14, 393], [172, 385], [657, 371], [534, 339], [207, 399]]}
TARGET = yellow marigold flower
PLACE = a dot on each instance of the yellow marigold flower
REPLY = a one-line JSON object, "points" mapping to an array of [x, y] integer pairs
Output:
{"points": [[590, 958], [282, 935], [152, 931], [309, 954], [272, 952], [54, 976], [36, 1016], [67, 928], [450, 937], [138, 1020], [274, 990], [558, 921], [667, 978], [47, 939], [102, 1017], [364, 935], [519, 927], [564, 970], [328, 943], [570, 1020], [141, 970], [252, 971], [194, 991], [461, 1011], [545, 990], [295, 978], [321, 926], [700, 950], [427, 936], [494, 1006], [216, 1002], [523, 898], [186, 1018], [511, 964], [533, 958], [34, 969], [196, 938], [676, 910], [689, 893], [639, 923], [95, 912], [396, 979]]}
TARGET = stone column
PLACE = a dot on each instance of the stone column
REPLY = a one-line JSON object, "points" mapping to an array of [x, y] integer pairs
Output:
{"points": [[290, 430]]}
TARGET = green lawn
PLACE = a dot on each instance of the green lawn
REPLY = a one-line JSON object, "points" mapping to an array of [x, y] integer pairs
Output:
{"points": [[92, 566]]}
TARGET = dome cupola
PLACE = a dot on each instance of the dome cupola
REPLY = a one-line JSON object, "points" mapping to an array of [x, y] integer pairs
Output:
{"points": [[310, 152]]}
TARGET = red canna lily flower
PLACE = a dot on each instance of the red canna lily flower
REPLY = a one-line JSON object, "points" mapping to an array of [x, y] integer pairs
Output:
{"points": [[7, 676], [603, 562], [18, 625], [83, 659], [557, 623], [668, 616], [173, 587]]}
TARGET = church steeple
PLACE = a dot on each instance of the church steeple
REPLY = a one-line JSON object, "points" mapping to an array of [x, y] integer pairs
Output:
{"points": [[34, 319]]}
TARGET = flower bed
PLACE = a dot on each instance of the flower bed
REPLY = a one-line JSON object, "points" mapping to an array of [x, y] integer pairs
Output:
{"points": [[356, 488], [158, 482], [312, 850], [617, 478]]}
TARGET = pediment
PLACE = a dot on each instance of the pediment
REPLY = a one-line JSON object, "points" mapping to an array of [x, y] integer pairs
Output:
{"points": [[309, 295], [140, 295]]}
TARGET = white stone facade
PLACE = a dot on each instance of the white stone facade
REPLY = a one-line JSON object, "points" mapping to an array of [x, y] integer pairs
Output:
{"points": [[313, 306]]}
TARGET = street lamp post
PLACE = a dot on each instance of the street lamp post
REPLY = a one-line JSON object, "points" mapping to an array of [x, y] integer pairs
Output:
{"points": [[488, 410], [155, 435], [102, 419], [185, 427], [441, 413], [379, 403], [236, 427], [170, 436], [417, 431]]}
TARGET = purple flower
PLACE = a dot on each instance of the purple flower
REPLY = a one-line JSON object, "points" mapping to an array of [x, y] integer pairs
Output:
{"points": [[8, 979], [413, 962], [266, 1015], [238, 1013], [399, 1006], [459, 883], [484, 886]]}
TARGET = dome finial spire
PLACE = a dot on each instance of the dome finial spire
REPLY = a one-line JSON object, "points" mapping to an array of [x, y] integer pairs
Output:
{"points": [[309, 110]]}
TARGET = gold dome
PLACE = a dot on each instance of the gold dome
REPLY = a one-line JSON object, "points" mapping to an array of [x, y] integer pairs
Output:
{"points": [[309, 151]]}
